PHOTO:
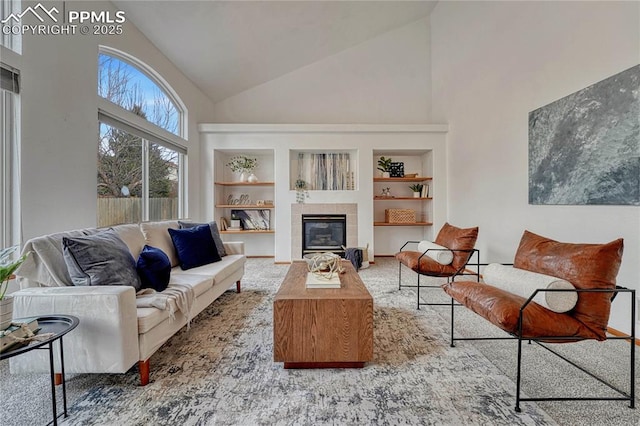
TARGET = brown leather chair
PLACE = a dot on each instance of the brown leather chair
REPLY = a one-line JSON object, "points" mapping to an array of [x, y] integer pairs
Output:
{"points": [[591, 268], [461, 241]]}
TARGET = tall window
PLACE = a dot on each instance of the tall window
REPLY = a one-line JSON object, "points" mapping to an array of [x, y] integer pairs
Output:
{"points": [[9, 156], [7, 38], [141, 153]]}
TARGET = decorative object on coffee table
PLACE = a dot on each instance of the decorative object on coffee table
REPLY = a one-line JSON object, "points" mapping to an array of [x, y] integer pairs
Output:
{"points": [[324, 265]]}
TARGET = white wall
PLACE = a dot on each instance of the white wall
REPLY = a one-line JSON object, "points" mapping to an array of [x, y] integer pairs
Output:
{"points": [[60, 127], [383, 80], [493, 63]]}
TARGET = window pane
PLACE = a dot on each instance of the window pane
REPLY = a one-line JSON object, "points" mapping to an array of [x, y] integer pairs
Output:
{"points": [[127, 86], [7, 38], [120, 177], [163, 182], [9, 169]]}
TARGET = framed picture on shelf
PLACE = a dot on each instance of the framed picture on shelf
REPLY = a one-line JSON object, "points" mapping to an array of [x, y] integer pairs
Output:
{"points": [[253, 220]]}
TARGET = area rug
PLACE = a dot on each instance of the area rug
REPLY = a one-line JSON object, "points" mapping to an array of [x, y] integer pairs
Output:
{"points": [[221, 372]]}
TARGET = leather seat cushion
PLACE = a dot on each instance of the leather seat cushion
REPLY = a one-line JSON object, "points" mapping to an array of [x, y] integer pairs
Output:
{"points": [[426, 265], [502, 309]]}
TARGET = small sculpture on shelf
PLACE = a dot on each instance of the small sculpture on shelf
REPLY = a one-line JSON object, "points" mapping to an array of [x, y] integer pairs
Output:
{"points": [[386, 192]]}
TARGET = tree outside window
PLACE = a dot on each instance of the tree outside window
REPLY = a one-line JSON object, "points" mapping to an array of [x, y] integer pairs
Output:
{"points": [[138, 178]]}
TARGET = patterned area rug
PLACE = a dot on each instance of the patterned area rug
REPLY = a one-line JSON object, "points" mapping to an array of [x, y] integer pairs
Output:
{"points": [[221, 372]]}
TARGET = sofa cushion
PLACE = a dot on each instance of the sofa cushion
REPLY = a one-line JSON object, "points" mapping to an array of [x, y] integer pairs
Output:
{"points": [[213, 226], [154, 268], [132, 236], [148, 318], [502, 308], [194, 246], [156, 235], [100, 259], [583, 265], [222, 269], [455, 238]]}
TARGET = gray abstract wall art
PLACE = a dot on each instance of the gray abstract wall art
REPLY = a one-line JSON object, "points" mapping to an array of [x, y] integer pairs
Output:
{"points": [[585, 147]]}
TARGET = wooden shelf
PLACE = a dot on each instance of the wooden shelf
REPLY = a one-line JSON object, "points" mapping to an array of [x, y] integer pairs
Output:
{"points": [[244, 206], [402, 179], [263, 231], [245, 183], [402, 224], [377, 198]]}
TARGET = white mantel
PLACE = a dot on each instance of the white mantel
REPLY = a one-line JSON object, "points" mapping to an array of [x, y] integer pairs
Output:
{"points": [[363, 139]]}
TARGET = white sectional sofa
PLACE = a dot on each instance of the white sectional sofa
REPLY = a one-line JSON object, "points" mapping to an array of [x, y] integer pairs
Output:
{"points": [[113, 332]]}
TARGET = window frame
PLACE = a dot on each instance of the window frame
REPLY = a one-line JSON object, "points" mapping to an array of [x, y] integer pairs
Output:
{"points": [[10, 117], [116, 116]]}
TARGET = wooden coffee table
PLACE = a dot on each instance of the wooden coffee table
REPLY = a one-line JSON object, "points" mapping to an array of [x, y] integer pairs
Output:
{"points": [[322, 328]]}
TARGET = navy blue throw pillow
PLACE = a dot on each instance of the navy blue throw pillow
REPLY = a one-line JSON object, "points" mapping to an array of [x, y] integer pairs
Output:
{"points": [[194, 246], [154, 268]]}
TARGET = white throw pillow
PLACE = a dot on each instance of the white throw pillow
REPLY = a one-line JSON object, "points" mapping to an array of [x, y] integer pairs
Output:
{"points": [[440, 254], [524, 283]]}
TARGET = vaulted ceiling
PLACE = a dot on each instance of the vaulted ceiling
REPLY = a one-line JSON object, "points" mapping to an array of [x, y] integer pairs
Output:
{"points": [[226, 47]]}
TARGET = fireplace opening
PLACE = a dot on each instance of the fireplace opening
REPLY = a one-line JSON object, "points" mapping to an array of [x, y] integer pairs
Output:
{"points": [[324, 233]]}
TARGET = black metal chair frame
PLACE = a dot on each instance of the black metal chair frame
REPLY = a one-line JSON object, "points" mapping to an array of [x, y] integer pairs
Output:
{"points": [[630, 396], [459, 272]]}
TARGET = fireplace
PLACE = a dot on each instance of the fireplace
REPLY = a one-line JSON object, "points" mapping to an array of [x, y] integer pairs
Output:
{"points": [[324, 233]]}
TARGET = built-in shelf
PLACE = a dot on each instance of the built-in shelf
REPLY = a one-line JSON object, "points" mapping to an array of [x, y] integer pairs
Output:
{"points": [[378, 198], [261, 231], [403, 179], [245, 183], [244, 206], [402, 224]]}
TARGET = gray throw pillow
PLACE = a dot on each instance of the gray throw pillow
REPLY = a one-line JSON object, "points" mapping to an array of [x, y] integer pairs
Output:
{"points": [[214, 233], [100, 259]]}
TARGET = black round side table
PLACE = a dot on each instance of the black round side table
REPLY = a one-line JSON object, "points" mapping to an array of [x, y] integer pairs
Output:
{"points": [[59, 325]]}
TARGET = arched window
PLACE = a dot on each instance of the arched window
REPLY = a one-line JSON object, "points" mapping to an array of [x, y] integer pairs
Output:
{"points": [[141, 150]]}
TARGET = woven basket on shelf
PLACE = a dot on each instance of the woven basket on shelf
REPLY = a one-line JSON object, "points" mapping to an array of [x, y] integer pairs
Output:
{"points": [[399, 216]]}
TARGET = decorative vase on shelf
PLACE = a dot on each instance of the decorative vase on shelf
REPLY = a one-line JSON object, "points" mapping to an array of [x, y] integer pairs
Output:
{"points": [[252, 178], [243, 177], [416, 195], [385, 175]]}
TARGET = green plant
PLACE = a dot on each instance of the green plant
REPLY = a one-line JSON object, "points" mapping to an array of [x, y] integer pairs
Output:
{"points": [[301, 190], [384, 164], [8, 267], [416, 187], [240, 163]]}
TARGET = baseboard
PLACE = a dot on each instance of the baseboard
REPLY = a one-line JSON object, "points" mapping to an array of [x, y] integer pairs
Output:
{"points": [[619, 333], [282, 263], [260, 257]]}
